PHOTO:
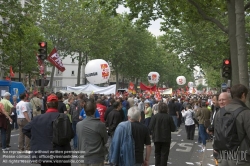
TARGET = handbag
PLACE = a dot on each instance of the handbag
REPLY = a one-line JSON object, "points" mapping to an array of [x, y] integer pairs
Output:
{"points": [[38, 108]]}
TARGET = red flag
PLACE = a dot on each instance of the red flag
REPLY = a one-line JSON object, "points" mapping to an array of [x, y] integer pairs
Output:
{"points": [[7, 78], [144, 87], [12, 74], [55, 59], [39, 61]]}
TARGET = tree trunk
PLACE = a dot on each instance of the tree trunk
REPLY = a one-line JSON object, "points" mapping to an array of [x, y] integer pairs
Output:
{"points": [[241, 42], [117, 80], [232, 41], [79, 69], [52, 78]]}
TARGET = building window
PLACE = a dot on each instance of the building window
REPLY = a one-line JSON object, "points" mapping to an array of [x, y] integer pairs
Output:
{"points": [[73, 60], [73, 73], [58, 72]]}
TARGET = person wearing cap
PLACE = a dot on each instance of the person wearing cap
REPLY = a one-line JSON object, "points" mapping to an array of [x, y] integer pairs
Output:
{"points": [[40, 130], [8, 107], [3, 125], [35, 102]]}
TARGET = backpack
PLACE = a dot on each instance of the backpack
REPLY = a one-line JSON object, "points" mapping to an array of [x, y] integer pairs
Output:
{"points": [[225, 133], [62, 130]]}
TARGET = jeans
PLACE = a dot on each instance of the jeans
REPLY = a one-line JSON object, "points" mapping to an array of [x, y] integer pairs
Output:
{"points": [[75, 137], [203, 134], [3, 137], [147, 121], [161, 153], [107, 146], [175, 121]]}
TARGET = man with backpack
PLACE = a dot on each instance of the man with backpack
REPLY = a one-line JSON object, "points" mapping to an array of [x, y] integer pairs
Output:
{"points": [[232, 130], [50, 135]]}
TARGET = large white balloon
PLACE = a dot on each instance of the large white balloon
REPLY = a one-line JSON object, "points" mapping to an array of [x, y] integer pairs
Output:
{"points": [[153, 77], [97, 71], [181, 80], [190, 84]]}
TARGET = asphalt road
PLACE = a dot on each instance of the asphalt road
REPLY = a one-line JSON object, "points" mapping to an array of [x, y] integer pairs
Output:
{"points": [[182, 152]]}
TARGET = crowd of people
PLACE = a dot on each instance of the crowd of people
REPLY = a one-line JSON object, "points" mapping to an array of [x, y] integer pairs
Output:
{"points": [[114, 129]]}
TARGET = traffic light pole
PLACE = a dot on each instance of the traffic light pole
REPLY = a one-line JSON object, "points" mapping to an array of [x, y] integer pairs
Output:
{"points": [[42, 84], [42, 55]]}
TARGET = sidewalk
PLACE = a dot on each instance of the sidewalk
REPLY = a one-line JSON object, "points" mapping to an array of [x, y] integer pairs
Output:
{"points": [[208, 159]]}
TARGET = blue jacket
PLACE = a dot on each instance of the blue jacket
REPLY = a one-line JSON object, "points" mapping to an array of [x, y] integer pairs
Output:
{"points": [[122, 150]]}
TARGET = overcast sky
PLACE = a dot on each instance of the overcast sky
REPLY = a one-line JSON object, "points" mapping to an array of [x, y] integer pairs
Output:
{"points": [[155, 25]]}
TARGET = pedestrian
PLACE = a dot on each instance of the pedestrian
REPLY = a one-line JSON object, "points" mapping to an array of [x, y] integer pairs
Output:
{"points": [[173, 112], [127, 148], [22, 120], [14, 114], [40, 130], [92, 137], [188, 114], [3, 126], [148, 113], [237, 140], [114, 118], [141, 107], [36, 104], [8, 107], [162, 125], [203, 116]]}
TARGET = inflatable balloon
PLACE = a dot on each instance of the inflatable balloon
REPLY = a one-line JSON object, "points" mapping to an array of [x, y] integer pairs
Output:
{"points": [[190, 84], [181, 80], [153, 77], [97, 71]]}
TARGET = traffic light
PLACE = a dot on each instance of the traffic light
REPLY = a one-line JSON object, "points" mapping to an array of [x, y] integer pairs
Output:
{"points": [[226, 69], [42, 51]]}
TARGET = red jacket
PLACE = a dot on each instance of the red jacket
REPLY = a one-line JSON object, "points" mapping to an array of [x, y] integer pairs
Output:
{"points": [[101, 109]]}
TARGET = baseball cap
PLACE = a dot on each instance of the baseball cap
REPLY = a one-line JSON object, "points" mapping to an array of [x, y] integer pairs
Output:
{"points": [[52, 98]]}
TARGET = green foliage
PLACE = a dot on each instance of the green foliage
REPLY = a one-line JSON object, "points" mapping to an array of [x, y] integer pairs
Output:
{"points": [[200, 87], [20, 37]]}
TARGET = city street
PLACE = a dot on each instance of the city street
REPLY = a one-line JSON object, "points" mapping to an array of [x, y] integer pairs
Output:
{"points": [[182, 152]]}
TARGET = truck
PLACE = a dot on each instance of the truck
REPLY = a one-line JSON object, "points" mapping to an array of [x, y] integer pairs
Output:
{"points": [[14, 88]]}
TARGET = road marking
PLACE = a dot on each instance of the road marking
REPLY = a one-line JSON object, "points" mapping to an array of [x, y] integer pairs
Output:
{"points": [[185, 145], [177, 131], [172, 144], [189, 163]]}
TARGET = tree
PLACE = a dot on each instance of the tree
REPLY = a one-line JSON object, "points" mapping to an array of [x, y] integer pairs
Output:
{"points": [[19, 37], [176, 13]]}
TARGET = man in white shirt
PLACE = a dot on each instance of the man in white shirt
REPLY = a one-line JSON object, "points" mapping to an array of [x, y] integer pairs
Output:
{"points": [[23, 119], [141, 107]]}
